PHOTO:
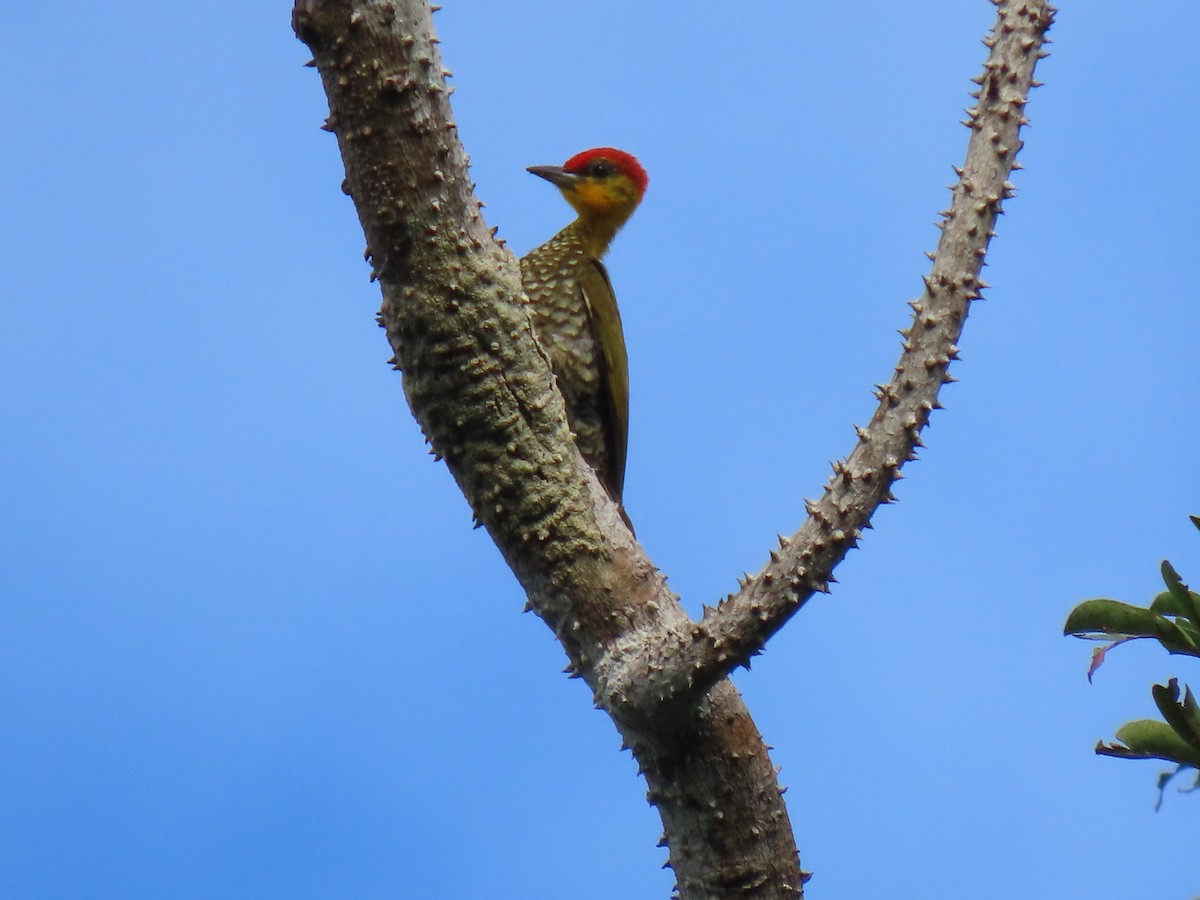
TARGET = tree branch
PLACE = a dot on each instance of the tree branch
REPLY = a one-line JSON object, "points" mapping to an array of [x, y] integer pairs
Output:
{"points": [[481, 389], [695, 658]]}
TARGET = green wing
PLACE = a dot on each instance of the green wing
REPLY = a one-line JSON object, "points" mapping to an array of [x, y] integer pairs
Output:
{"points": [[610, 337]]}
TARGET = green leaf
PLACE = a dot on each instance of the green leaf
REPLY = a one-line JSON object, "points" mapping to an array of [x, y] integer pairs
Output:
{"points": [[1195, 520], [1185, 598], [1151, 739], [1104, 619], [1183, 716], [1189, 632], [1168, 604]]}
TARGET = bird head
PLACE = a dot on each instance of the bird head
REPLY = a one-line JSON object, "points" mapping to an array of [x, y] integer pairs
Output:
{"points": [[601, 184]]}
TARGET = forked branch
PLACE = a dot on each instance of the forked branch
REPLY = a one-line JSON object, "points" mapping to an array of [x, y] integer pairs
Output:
{"points": [[482, 391], [802, 565]]}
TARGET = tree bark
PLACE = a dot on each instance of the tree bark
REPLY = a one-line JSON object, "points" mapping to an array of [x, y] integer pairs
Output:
{"points": [[481, 388]]}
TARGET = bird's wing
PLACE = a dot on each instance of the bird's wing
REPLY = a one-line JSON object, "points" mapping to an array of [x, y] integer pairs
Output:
{"points": [[610, 338]]}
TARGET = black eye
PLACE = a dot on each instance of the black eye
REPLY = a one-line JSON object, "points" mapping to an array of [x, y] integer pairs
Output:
{"points": [[599, 169]]}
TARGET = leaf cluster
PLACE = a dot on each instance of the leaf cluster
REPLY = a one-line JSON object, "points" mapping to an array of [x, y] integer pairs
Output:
{"points": [[1172, 619]]}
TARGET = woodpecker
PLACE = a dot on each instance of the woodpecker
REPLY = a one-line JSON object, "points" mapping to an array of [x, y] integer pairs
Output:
{"points": [[575, 314]]}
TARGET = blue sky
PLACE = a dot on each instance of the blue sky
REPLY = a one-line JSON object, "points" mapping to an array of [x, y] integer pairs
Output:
{"points": [[250, 645]]}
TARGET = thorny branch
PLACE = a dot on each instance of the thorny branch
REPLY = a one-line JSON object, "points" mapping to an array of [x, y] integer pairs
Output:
{"points": [[802, 565], [482, 392]]}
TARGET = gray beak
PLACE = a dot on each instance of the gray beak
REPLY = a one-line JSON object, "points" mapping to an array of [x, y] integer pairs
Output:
{"points": [[556, 175]]}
